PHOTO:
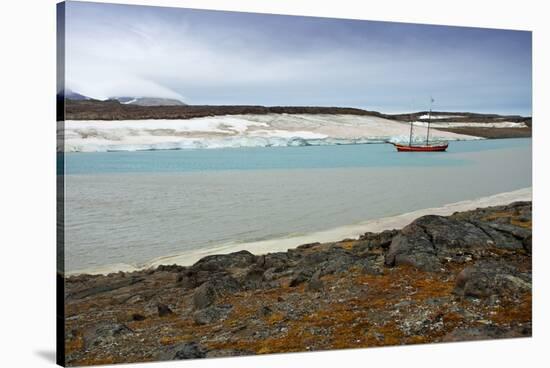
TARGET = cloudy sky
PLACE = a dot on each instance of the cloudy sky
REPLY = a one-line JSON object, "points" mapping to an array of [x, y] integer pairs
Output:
{"points": [[209, 57]]}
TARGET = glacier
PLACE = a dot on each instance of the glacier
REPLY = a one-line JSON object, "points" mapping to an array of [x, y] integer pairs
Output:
{"points": [[233, 131]]}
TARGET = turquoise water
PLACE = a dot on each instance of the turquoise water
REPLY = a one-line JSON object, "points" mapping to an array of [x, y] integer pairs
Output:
{"points": [[131, 207], [262, 158]]}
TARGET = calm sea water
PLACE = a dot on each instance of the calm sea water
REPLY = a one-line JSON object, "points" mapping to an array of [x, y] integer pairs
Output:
{"points": [[130, 207]]}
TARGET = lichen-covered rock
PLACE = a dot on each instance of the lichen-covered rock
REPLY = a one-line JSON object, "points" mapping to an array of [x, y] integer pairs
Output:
{"points": [[224, 261], [485, 279], [212, 314], [188, 350], [315, 283], [207, 293], [430, 241], [204, 296], [106, 332], [487, 332]]}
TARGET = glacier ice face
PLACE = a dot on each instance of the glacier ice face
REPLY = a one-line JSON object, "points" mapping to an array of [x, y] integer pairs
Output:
{"points": [[232, 131]]}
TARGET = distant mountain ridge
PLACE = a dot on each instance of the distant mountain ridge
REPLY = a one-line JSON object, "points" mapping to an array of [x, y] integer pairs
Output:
{"points": [[71, 95]]}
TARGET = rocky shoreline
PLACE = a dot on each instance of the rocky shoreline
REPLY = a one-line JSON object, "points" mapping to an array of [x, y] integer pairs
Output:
{"points": [[441, 278]]}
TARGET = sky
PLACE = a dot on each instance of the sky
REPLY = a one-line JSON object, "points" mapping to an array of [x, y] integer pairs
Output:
{"points": [[231, 58]]}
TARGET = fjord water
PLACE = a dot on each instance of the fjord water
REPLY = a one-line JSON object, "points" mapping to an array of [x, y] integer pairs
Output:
{"points": [[131, 207]]}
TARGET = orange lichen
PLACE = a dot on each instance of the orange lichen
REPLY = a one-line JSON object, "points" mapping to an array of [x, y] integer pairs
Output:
{"points": [[517, 313], [497, 215], [352, 310], [170, 340], [348, 244], [275, 318], [74, 344], [528, 224]]}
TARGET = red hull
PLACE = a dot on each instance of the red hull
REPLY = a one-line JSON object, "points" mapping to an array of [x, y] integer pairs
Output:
{"points": [[434, 148]]}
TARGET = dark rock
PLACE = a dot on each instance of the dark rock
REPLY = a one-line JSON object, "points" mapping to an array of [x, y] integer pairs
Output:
{"points": [[105, 287], [171, 268], [253, 279], [265, 311], [485, 279], [218, 285], [299, 278], [192, 278], [372, 265], [308, 245], [315, 283], [488, 332], [274, 273], [204, 296], [428, 240], [105, 332], [212, 314], [412, 247], [338, 261], [163, 310], [374, 241], [279, 261], [188, 350], [527, 244], [224, 261], [316, 258], [225, 284], [334, 259], [499, 239], [137, 317], [516, 231]]}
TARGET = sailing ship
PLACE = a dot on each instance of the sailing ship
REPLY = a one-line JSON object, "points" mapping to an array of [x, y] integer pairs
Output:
{"points": [[427, 147]]}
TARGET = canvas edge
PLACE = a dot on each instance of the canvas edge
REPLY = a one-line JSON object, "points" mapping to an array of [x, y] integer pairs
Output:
{"points": [[60, 184]]}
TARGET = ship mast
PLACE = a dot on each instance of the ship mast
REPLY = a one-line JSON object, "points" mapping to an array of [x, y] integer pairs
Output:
{"points": [[411, 133], [429, 121]]}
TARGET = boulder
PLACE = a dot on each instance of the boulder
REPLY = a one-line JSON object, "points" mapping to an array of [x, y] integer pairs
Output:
{"points": [[279, 261], [375, 241], [253, 278], [485, 279], [171, 268], [299, 278], [163, 310], [187, 350], [488, 332], [315, 283], [222, 262], [212, 314], [219, 285], [429, 239], [105, 332], [137, 317], [204, 296]]}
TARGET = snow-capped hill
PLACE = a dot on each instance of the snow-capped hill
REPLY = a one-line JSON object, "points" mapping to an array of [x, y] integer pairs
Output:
{"points": [[69, 94], [149, 101], [72, 95]]}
